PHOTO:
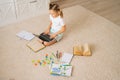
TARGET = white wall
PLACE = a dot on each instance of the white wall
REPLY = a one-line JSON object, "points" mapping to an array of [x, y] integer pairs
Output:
{"points": [[16, 10]]}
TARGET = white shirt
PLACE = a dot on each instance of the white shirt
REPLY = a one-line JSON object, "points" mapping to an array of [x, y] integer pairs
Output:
{"points": [[57, 24]]}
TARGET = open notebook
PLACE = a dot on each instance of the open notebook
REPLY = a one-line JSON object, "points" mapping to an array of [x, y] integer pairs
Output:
{"points": [[25, 35], [35, 45], [61, 70]]}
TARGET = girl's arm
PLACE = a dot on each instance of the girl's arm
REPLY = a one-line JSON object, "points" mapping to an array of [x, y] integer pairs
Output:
{"points": [[48, 28], [63, 29]]}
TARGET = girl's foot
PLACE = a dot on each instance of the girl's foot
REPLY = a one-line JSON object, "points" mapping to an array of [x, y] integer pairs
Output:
{"points": [[46, 43], [49, 43]]}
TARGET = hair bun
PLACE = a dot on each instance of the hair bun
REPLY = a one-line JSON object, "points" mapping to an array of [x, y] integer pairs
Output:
{"points": [[54, 6], [50, 5]]}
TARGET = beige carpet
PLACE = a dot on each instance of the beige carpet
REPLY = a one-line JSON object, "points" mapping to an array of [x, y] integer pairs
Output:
{"points": [[82, 26]]}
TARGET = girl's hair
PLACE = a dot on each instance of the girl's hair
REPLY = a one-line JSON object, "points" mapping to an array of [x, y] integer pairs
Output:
{"points": [[55, 7]]}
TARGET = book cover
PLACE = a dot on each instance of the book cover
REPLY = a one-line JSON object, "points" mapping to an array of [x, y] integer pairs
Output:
{"points": [[35, 45]]}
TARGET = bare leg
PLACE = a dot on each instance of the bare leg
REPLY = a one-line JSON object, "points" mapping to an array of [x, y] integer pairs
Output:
{"points": [[49, 43]]}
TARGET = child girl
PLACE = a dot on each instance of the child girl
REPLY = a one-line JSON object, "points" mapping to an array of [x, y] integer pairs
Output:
{"points": [[56, 27]]}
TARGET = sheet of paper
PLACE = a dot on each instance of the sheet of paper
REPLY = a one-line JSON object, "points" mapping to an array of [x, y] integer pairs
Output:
{"points": [[25, 35], [66, 58]]}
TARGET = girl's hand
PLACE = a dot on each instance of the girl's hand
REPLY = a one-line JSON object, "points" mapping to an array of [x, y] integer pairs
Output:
{"points": [[53, 36]]}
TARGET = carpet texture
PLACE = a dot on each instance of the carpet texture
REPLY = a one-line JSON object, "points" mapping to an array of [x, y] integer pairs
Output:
{"points": [[83, 26]]}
